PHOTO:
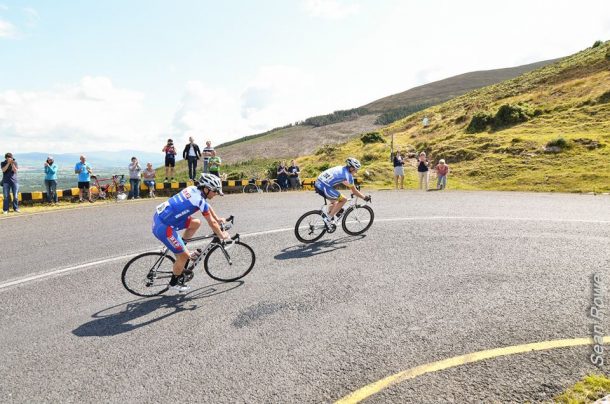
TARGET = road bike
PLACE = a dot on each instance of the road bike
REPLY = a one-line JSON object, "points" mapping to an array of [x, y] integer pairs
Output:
{"points": [[148, 274], [355, 219], [103, 188], [267, 185]]}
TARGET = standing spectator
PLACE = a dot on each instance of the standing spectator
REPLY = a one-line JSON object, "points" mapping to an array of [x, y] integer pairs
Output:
{"points": [[442, 170], [282, 175], [207, 153], [149, 179], [10, 185], [191, 153], [426, 122], [293, 175], [134, 178], [50, 179], [422, 170], [170, 159], [399, 170], [83, 169], [214, 164]]}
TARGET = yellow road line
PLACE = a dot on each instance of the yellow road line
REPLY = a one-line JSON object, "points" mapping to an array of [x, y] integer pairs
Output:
{"points": [[412, 373]]}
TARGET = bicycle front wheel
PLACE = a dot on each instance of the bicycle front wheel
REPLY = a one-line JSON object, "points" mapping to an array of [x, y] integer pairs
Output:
{"points": [[229, 262], [250, 189], [310, 227], [357, 219], [148, 274]]}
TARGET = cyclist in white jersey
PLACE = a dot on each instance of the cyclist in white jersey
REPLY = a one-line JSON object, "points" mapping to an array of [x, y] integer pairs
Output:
{"points": [[175, 215], [326, 182]]}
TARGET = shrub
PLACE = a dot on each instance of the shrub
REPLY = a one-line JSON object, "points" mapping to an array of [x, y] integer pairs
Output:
{"points": [[423, 147], [372, 137], [605, 97], [326, 150], [558, 142], [323, 167], [367, 158], [454, 156], [597, 43], [509, 115], [608, 54], [479, 123]]}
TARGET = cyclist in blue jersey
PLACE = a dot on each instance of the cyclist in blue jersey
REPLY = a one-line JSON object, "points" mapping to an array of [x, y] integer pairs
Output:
{"points": [[175, 215], [326, 182]]}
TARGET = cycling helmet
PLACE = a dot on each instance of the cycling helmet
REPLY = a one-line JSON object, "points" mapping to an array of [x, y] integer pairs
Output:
{"points": [[352, 162], [211, 182]]}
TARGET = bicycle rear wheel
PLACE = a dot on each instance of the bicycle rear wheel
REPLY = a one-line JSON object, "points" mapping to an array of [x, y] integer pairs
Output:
{"points": [[357, 219], [273, 187], [310, 227], [148, 274], [250, 189], [230, 262]]}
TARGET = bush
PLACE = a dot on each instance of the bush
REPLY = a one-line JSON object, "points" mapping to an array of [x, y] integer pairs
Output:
{"points": [[323, 167], [608, 54], [558, 142], [597, 43], [326, 150], [367, 158], [423, 147], [454, 156], [605, 97], [509, 115], [479, 123], [372, 137]]}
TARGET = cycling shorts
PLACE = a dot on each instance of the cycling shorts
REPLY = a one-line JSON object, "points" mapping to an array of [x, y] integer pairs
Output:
{"points": [[327, 191], [168, 235]]}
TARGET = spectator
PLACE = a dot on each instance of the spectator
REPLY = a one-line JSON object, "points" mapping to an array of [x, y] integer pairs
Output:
{"points": [[422, 170], [442, 170], [134, 178], [10, 185], [425, 122], [83, 169], [207, 153], [214, 164], [191, 153], [293, 175], [282, 175], [399, 170], [170, 159], [50, 179], [149, 179]]}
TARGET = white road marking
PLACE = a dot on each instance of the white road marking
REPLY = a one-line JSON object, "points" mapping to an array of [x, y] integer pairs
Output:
{"points": [[285, 229]]}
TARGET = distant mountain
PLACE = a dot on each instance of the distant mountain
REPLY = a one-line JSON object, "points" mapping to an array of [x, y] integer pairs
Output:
{"points": [[301, 139], [95, 158]]}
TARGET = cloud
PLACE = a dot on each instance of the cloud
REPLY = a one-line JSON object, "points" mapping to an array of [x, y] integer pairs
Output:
{"points": [[275, 96], [329, 9], [32, 17], [92, 114], [7, 30]]}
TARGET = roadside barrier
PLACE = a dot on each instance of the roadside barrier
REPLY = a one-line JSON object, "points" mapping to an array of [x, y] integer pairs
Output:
{"points": [[231, 186]]}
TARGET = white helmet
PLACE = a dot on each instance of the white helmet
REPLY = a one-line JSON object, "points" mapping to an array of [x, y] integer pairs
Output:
{"points": [[352, 162], [211, 182]]}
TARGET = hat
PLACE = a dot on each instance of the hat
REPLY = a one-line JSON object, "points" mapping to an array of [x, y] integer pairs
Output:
{"points": [[442, 161], [50, 158]]}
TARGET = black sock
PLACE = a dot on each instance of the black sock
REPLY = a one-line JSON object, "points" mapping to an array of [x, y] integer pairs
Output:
{"points": [[174, 280]]}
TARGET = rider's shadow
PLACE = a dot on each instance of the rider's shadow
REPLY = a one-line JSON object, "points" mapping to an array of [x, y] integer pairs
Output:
{"points": [[133, 315], [316, 248]]}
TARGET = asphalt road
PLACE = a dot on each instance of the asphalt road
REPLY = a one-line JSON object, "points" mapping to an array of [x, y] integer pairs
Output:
{"points": [[438, 275]]}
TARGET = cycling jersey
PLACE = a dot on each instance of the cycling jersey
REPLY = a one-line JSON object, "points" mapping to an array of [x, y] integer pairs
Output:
{"points": [[336, 175], [175, 214], [326, 181]]}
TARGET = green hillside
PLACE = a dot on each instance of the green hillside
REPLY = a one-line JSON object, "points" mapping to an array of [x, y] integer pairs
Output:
{"points": [[305, 137], [546, 130]]}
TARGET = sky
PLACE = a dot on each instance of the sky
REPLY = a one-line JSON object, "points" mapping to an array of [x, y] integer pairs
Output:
{"points": [[128, 74]]}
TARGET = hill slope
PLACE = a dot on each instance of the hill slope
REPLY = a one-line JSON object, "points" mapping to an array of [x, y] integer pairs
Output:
{"points": [[566, 104], [305, 139]]}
